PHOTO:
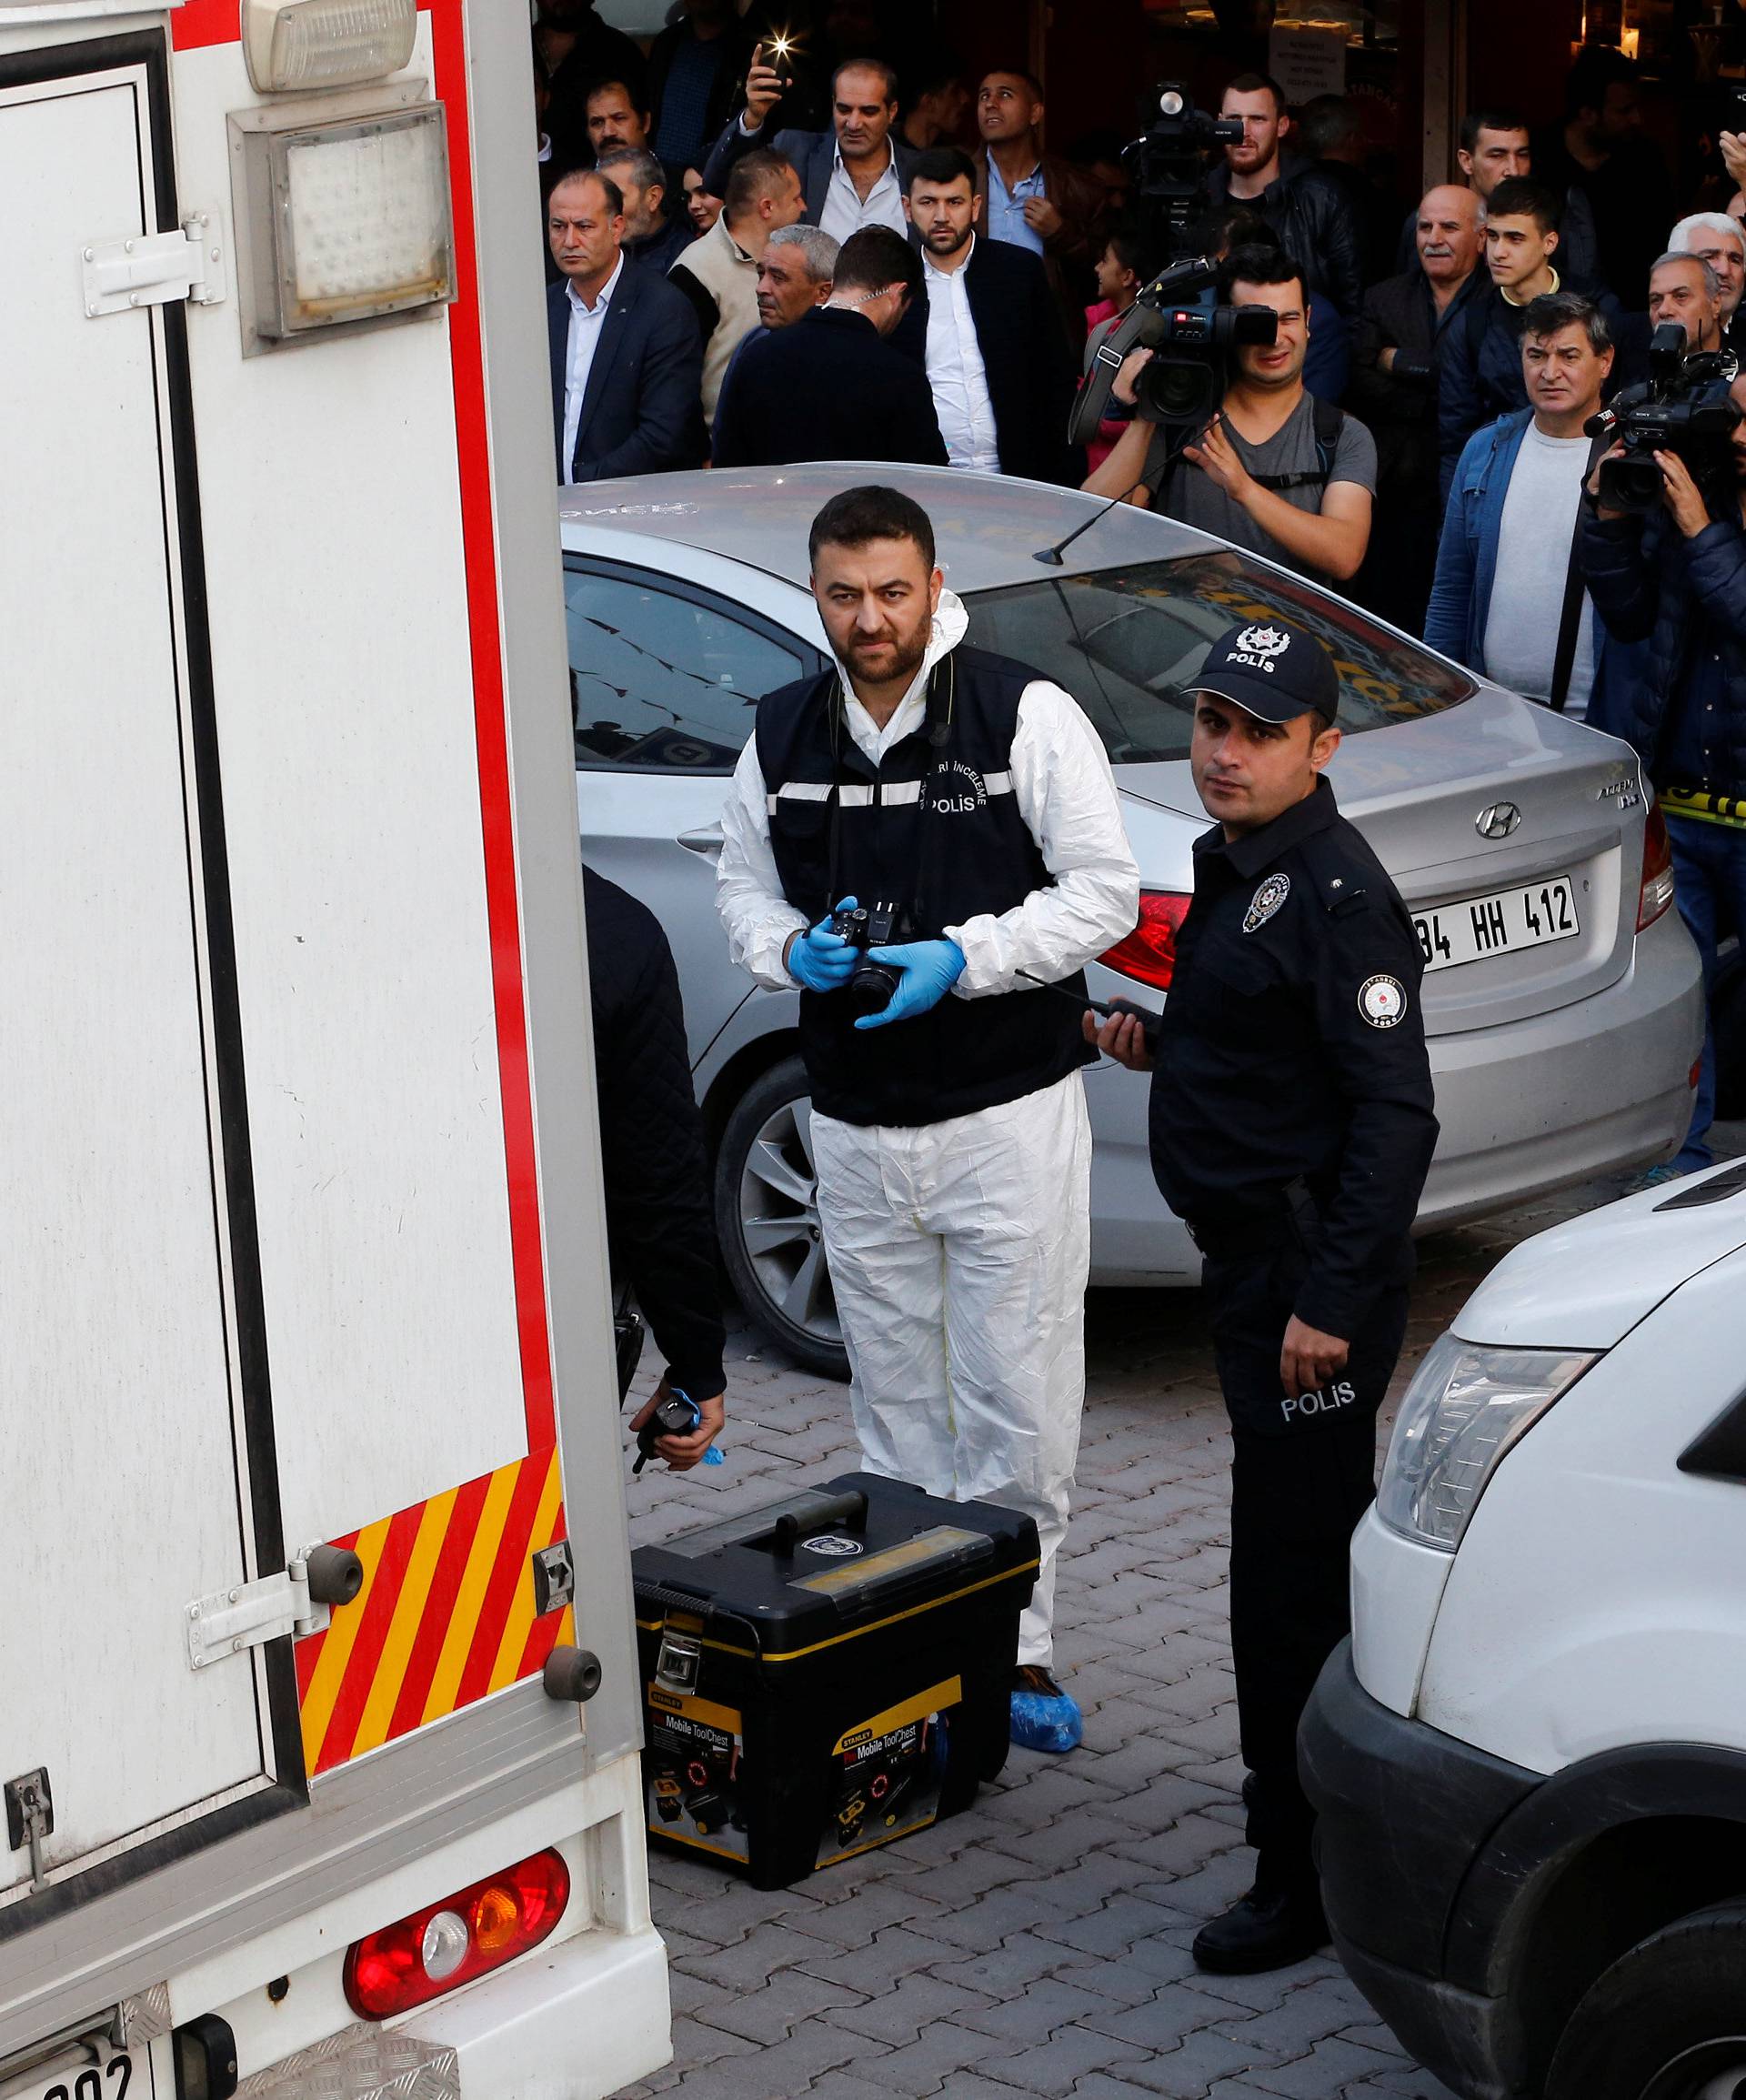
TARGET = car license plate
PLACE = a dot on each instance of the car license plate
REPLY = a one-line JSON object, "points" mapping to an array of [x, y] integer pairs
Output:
{"points": [[1497, 924], [116, 2075]]}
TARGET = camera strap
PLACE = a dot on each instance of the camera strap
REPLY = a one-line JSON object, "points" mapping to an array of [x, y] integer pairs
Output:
{"points": [[1328, 421], [1569, 618]]}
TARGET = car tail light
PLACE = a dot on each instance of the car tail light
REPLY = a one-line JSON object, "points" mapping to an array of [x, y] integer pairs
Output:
{"points": [[1656, 891], [1148, 953], [447, 1944]]}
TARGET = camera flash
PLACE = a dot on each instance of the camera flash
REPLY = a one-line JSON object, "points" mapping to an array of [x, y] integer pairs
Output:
{"points": [[1170, 102]]}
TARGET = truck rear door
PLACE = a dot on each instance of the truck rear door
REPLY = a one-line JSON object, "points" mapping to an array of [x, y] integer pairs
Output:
{"points": [[139, 1479]]}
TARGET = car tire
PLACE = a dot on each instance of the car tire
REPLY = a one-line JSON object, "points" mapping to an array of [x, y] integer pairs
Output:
{"points": [[1666, 2022], [1727, 1023], [767, 1219]]}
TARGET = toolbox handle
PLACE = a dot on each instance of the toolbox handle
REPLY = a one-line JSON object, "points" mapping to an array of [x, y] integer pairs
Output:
{"points": [[849, 1509]]}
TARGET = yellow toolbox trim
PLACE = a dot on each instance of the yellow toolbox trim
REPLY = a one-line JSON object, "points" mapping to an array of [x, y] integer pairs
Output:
{"points": [[855, 1633]]}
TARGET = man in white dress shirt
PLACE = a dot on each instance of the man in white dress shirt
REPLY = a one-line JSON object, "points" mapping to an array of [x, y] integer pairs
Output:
{"points": [[998, 358]]}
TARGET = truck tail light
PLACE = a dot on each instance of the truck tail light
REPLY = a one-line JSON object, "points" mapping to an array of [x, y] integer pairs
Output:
{"points": [[1148, 953], [1656, 892], [447, 1944]]}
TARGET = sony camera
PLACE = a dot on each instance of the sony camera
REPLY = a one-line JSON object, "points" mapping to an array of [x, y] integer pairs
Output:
{"points": [[1190, 370], [1682, 407], [871, 984]]}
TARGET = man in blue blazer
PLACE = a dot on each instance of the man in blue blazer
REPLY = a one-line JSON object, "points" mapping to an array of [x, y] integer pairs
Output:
{"points": [[626, 355]]}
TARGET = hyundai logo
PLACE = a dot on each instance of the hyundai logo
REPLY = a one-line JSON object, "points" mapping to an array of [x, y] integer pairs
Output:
{"points": [[1497, 821]]}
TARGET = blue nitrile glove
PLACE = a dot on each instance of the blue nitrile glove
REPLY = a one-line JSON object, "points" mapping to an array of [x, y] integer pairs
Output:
{"points": [[930, 968], [822, 961]]}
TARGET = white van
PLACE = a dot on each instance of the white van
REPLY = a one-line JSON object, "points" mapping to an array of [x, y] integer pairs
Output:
{"points": [[312, 1542], [1530, 1764]]}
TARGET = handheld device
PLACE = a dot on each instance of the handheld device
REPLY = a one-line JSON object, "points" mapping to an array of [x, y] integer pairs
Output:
{"points": [[678, 1415]]}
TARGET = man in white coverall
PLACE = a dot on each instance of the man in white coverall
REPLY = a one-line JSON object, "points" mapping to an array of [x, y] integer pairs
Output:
{"points": [[949, 1124]]}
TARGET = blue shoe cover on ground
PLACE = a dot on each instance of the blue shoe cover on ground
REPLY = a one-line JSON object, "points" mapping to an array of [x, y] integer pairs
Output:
{"points": [[1041, 1723]]}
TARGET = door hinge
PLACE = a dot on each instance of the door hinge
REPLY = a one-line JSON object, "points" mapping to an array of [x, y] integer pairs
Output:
{"points": [[250, 1613], [30, 1818], [151, 269]]}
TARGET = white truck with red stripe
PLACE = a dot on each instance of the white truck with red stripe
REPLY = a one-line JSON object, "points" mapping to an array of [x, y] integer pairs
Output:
{"points": [[318, 1709]]}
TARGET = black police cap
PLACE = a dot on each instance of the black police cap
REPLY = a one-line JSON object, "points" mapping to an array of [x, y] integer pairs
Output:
{"points": [[1272, 671]]}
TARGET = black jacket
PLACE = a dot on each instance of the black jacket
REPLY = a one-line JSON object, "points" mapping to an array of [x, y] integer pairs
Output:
{"points": [[1293, 1051], [1400, 406], [1025, 357], [660, 1229], [1680, 597], [735, 53], [828, 387], [1309, 211], [642, 409]]}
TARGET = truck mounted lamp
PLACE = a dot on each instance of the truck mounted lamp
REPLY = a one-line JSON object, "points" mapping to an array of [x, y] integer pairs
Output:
{"points": [[304, 43], [351, 221]]}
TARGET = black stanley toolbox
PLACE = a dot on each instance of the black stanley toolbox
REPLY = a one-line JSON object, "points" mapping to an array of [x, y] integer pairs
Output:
{"points": [[828, 1674]]}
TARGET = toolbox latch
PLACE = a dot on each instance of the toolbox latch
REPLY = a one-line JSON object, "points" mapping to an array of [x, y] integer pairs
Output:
{"points": [[676, 1665]]}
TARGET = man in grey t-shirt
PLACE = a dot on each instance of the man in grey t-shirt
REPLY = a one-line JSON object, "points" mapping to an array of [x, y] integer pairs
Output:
{"points": [[1259, 475]]}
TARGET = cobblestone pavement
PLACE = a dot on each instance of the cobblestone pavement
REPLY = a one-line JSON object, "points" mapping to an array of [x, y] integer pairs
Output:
{"points": [[1038, 1943]]}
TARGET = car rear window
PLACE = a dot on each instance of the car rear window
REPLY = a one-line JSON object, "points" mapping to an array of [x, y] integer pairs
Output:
{"points": [[1127, 643]]}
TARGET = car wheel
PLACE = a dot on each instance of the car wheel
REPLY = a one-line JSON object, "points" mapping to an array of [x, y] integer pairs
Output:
{"points": [[767, 1217], [1728, 1022], [1666, 2022]]}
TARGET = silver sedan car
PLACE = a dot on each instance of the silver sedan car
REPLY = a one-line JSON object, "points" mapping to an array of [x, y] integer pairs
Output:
{"points": [[1563, 996]]}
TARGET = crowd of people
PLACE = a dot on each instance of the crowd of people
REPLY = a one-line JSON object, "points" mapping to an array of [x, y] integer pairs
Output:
{"points": [[758, 258]]}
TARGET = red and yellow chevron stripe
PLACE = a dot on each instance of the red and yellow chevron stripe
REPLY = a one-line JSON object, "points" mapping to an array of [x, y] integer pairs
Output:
{"points": [[446, 1615]]}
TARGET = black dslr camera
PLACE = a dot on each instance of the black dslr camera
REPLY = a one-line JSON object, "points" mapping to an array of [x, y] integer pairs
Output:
{"points": [[1682, 407], [870, 986]]}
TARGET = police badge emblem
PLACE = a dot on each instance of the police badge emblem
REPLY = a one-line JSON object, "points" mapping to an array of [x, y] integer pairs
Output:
{"points": [[1382, 1000], [1265, 901]]}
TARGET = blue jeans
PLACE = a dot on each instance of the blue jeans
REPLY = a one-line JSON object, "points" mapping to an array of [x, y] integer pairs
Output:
{"points": [[1710, 889]]}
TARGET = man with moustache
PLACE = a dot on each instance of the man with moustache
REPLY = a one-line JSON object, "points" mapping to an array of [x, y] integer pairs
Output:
{"points": [[948, 1126], [851, 176], [1291, 1130], [1393, 388], [1508, 600], [997, 361]]}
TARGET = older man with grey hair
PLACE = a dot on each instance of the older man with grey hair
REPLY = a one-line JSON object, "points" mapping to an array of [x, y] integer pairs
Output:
{"points": [[1683, 288], [796, 272], [1717, 239]]}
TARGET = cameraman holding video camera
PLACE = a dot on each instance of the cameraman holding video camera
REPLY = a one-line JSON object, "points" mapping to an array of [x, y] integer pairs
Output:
{"points": [[1273, 468], [1662, 545]]}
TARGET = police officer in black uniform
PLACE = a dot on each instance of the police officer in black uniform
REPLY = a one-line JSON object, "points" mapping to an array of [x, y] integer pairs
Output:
{"points": [[1291, 1127]]}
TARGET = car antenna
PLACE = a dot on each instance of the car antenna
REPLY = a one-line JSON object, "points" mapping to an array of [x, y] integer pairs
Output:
{"points": [[1051, 556]]}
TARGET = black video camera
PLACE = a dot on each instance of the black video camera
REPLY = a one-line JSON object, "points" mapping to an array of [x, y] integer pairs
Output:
{"points": [[870, 986], [1167, 164], [1682, 407], [1190, 370]]}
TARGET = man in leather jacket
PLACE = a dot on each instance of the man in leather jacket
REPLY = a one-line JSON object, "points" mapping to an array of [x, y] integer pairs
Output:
{"points": [[1302, 203]]}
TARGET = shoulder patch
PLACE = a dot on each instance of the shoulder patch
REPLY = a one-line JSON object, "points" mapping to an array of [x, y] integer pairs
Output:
{"points": [[1265, 901], [1382, 1000]]}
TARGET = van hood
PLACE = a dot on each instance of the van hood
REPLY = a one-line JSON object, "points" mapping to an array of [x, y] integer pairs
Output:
{"points": [[1585, 1285]]}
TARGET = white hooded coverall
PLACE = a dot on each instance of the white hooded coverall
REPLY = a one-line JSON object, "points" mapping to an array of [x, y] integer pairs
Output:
{"points": [[958, 1250]]}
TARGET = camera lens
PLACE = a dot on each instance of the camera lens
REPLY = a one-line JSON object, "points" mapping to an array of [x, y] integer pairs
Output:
{"points": [[869, 988], [1171, 392]]}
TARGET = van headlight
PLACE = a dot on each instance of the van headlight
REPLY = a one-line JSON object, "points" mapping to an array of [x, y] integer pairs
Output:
{"points": [[1463, 1412]]}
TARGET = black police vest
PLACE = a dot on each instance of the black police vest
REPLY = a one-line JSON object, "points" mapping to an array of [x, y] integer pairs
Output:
{"points": [[935, 825]]}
